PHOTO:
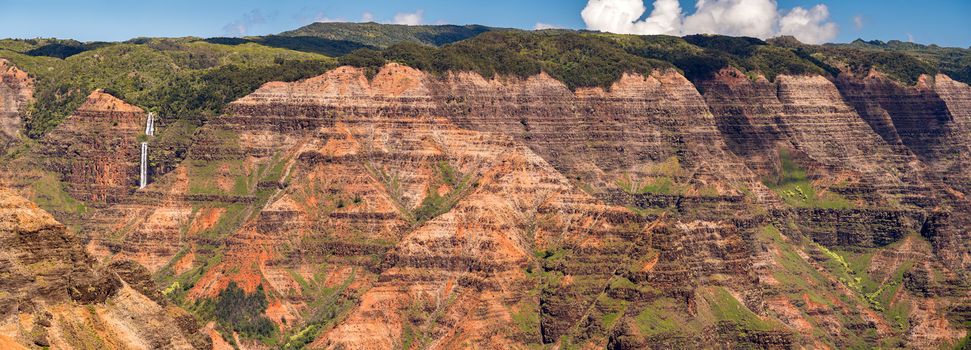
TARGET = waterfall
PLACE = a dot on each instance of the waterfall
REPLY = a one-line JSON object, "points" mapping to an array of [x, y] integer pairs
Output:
{"points": [[150, 125], [144, 170], [149, 131]]}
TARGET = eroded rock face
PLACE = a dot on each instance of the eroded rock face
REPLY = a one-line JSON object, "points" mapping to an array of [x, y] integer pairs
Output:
{"points": [[459, 212], [895, 152], [748, 113], [96, 150], [44, 262], [51, 294], [930, 121], [809, 117], [16, 92], [920, 118], [603, 137]]}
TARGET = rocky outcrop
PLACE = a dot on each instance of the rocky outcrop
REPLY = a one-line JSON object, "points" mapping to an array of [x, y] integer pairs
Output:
{"points": [[417, 217], [809, 117], [918, 118], [457, 211], [851, 228], [16, 92], [930, 121], [42, 261], [603, 138], [53, 295], [95, 150], [957, 98]]}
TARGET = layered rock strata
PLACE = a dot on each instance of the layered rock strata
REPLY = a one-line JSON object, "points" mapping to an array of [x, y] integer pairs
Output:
{"points": [[52, 295], [377, 146], [96, 150], [930, 121], [16, 93], [460, 211]]}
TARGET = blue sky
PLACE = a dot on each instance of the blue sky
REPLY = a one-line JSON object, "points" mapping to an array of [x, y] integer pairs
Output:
{"points": [[942, 22]]}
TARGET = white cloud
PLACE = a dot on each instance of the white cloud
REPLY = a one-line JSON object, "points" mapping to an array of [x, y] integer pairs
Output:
{"points": [[541, 26], [809, 26], [367, 16], [409, 18], [858, 22], [623, 16], [756, 18]]}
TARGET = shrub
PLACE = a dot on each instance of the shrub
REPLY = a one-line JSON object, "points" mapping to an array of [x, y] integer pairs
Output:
{"points": [[177, 78], [243, 312], [576, 59]]}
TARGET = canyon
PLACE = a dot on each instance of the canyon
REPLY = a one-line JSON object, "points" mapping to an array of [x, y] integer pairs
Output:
{"points": [[405, 209], [56, 295], [16, 90]]}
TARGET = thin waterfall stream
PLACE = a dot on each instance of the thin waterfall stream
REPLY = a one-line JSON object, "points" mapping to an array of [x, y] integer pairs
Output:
{"points": [[149, 131]]}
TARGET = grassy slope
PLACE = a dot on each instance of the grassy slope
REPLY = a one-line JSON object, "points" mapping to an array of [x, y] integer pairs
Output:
{"points": [[191, 78], [582, 59], [179, 78], [795, 188], [184, 80], [384, 35]]}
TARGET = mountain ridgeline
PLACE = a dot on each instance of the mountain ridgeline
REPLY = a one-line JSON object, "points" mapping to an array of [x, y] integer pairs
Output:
{"points": [[368, 186], [385, 35]]}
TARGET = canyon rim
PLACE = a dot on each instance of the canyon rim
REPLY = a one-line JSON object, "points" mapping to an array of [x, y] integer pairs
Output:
{"points": [[386, 186]]}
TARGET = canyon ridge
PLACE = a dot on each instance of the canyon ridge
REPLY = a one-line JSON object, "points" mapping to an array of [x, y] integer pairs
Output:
{"points": [[367, 186]]}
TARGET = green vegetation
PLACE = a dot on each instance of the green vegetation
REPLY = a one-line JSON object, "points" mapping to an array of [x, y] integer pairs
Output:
{"points": [[446, 188], [297, 43], [611, 310], [422, 317], [657, 318], [852, 269], [899, 60], [384, 35], [667, 316], [206, 177], [965, 343], [178, 286], [169, 146], [582, 59], [49, 193], [795, 188], [327, 306], [193, 79], [664, 179], [435, 204], [527, 317], [55, 48], [176, 78], [701, 56], [578, 60], [235, 310], [79, 332], [724, 307], [803, 284], [203, 94]]}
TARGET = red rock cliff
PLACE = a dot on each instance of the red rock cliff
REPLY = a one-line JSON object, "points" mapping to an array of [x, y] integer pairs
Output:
{"points": [[16, 92], [460, 211], [96, 149]]}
